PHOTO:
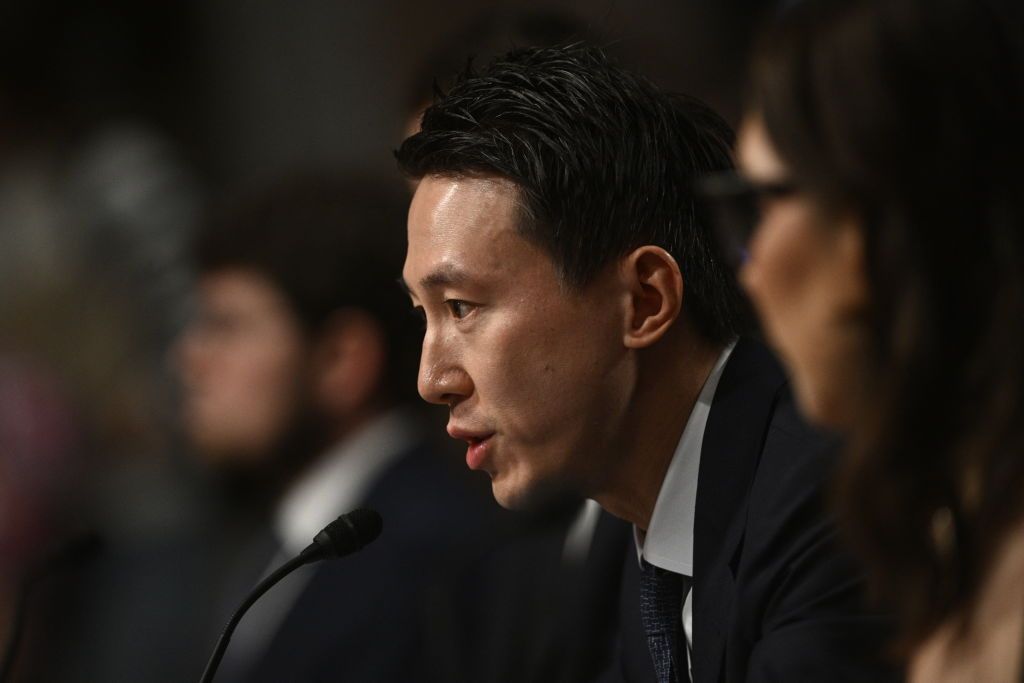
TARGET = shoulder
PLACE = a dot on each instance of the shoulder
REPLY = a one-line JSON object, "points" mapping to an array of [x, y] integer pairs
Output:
{"points": [[788, 529], [792, 452], [989, 649], [788, 501], [795, 453], [755, 431]]}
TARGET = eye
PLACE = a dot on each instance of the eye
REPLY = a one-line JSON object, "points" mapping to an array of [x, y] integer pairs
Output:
{"points": [[219, 324], [459, 308]]}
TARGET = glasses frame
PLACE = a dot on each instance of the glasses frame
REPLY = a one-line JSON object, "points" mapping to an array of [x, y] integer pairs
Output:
{"points": [[732, 204]]}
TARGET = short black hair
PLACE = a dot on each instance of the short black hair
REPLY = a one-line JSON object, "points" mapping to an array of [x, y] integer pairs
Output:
{"points": [[327, 241], [603, 159]]}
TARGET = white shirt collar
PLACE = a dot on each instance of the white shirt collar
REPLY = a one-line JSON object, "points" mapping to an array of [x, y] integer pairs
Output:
{"points": [[340, 480], [668, 542]]}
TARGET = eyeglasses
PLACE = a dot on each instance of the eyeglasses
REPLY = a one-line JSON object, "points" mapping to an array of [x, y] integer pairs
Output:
{"points": [[732, 204]]}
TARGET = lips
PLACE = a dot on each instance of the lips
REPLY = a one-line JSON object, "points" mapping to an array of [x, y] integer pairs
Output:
{"points": [[478, 441]]}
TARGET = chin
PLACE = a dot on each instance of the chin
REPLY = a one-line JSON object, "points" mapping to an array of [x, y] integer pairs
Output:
{"points": [[525, 496], [510, 497], [823, 407], [220, 451]]}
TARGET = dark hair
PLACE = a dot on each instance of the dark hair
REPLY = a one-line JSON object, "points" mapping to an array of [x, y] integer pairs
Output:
{"points": [[603, 161], [327, 242], [909, 113]]}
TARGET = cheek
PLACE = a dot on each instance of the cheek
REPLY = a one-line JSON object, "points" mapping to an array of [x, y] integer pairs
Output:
{"points": [[252, 398], [792, 277], [786, 277], [777, 270], [271, 381], [553, 379]]}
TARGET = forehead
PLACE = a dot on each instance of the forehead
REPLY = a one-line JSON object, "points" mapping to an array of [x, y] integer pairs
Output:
{"points": [[467, 226], [240, 289]]}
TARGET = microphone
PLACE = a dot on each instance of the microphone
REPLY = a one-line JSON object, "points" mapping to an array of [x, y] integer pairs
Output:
{"points": [[71, 551], [345, 535]]}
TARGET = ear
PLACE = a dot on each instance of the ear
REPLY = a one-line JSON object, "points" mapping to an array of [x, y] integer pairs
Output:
{"points": [[348, 363], [655, 294]]}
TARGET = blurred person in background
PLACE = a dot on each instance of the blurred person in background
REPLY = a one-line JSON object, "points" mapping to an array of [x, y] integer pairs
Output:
{"points": [[879, 220], [42, 444], [297, 372], [550, 237], [95, 201]]}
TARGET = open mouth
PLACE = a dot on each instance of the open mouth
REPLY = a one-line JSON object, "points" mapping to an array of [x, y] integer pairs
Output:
{"points": [[476, 453]]}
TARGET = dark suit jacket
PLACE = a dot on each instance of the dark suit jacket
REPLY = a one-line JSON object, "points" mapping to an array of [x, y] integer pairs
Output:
{"points": [[520, 613], [360, 618], [775, 596]]}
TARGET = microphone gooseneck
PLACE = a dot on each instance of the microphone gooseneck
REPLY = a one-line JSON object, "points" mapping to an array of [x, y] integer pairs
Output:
{"points": [[345, 535]]}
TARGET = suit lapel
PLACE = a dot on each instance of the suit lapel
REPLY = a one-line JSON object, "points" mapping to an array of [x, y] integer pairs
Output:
{"points": [[733, 438]]}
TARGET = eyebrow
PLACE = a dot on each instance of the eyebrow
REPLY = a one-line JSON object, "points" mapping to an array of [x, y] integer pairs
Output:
{"points": [[445, 275]]}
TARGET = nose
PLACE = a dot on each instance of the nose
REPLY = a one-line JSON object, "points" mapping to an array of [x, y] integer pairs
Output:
{"points": [[441, 379]]}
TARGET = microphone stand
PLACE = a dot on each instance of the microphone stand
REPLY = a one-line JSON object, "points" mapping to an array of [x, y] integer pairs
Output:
{"points": [[266, 584], [345, 535]]}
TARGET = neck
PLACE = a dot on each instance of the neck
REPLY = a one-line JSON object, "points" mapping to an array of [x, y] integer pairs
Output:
{"points": [[261, 485], [670, 378]]}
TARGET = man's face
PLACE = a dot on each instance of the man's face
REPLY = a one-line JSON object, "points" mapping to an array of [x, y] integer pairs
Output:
{"points": [[242, 363], [535, 374]]}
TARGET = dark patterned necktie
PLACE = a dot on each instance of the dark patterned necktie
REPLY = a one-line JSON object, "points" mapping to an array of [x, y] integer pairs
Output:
{"points": [[661, 608]]}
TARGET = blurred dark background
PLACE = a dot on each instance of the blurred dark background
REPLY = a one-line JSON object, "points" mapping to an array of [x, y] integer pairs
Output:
{"points": [[123, 123], [243, 89]]}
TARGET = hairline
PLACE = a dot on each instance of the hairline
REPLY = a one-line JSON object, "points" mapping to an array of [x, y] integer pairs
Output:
{"points": [[524, 217]]}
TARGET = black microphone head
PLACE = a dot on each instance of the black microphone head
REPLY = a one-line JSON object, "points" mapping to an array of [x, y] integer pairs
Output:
{"points": [[348, 533]]}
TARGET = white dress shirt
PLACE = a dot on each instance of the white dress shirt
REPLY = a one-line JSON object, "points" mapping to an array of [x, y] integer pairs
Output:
{"points": [[668, 542], [339, 481]]}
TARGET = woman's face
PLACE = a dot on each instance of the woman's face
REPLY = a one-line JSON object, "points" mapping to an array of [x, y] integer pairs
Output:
{"points": [[805, 275]]}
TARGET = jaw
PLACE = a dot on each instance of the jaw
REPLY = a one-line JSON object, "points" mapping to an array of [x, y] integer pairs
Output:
{"points": [[518, 488], [670, 377]]}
